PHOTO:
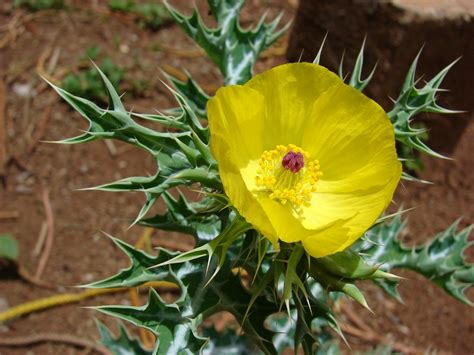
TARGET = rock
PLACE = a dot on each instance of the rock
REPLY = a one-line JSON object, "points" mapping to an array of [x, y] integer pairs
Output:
{"points": [[23, 89], [3, 304]]}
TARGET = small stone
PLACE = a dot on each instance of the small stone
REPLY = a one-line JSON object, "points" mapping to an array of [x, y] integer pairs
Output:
{"points": [[23, 176], [88, 277], [23, 89], [4, 304], [125, 302], [96, 237], [84, 169], [22, 189], [124, 48]]}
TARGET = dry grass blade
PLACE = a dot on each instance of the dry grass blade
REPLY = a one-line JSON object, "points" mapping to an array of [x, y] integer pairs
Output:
{"points": [[50, 236], [53, 338], [9, 214], [3, 134]]}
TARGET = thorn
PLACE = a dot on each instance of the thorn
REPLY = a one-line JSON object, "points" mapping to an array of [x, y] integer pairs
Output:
{"points": [[317, 59], [301, 55], [287, 304]]}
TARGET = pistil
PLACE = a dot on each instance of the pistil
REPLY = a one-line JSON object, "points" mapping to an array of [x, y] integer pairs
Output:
{"points": [[284, 174], [293, 161]]}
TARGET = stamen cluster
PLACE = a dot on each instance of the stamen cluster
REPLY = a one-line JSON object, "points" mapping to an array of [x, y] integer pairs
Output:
{"points": [[283, 173]]}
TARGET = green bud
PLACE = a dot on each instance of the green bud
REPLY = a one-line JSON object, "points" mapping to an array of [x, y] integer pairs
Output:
{"points": [[347, 264], [333, 283]]}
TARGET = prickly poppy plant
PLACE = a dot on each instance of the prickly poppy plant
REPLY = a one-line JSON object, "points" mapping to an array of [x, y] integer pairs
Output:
{"points": [[296, 169]]}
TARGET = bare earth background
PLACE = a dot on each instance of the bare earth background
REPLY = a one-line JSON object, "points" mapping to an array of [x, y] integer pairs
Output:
{"points": [[53, 43]]}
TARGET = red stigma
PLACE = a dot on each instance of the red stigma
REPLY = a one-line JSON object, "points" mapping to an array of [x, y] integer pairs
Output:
{"points": [[293, 161]]}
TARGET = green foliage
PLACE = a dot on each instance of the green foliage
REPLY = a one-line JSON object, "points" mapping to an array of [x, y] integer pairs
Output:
{"points": [[8, 247], [150, 14], [38, 5], [121, 5], [233, 49], [441, 259], [356, 80], [192, 93], [413, 101], [88, 83], [189, 218], [411, 135], [409, 155], [177, 323], [182, 158], [410, 102], [227, 342], [121, 344], [176, 333], [196, 302]]}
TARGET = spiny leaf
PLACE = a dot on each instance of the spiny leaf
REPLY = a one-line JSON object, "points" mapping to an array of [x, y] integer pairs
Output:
{"points": [[172, 120], [332, 283], [116, 124], [184, 316], [114, 99], [233, 49], [441, 260], [356, 80], [189, 116], [137, 273], [304, 326], [408, 177], [412, 101], [121, 344], [284, 327], [173, 170], [217, 247], [293, 285], [176, 334], [227, 342], [183, 216], [194, 95]]}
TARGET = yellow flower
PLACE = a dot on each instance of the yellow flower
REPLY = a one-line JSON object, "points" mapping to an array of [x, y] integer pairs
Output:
{"points": [[304, 157]]}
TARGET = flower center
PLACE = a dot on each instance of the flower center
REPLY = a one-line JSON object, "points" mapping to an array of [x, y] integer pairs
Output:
{"points": [[293, 161], [288, 175]]}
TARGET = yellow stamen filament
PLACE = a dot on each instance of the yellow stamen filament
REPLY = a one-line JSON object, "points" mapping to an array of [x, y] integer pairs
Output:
{"points": [[283, 184]]}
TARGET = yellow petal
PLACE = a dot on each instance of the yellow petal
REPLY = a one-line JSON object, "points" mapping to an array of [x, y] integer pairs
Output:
{"points": [[353, 139], [235, 119], [289, 91], [355, 145], [342, 234], [235, 122], [288, 224]]}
